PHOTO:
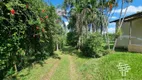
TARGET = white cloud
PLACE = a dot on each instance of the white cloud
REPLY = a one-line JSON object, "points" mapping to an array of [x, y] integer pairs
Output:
{"points": [[111, 27], [113, 17], [111, 30], [131, 9], [66, 23]]}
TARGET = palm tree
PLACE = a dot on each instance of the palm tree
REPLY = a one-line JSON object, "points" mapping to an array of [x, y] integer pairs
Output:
{"points": [[87, 12]]}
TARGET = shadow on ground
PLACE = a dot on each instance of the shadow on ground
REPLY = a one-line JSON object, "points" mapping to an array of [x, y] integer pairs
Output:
{"points": [[73, 51]]}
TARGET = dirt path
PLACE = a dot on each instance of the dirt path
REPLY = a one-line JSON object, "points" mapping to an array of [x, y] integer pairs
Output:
{"points": [[73, 74], [51, 72], [59, 65]]}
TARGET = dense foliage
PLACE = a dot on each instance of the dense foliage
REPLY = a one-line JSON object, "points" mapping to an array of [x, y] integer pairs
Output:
{"points": [[29, 30], [72, 39], [93, 47]]}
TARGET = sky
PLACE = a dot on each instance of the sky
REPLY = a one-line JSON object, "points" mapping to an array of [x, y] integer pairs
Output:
{"points": [[134, 7], [55, 2]]}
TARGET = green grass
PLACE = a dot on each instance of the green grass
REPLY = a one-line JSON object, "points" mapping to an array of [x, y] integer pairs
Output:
{"points": [[109, 71], [105, 68], [62, 71], [37, 72]]}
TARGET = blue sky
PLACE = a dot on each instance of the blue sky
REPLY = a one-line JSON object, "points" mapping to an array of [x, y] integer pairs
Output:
{"points": [[134, 7], [55, 2]]}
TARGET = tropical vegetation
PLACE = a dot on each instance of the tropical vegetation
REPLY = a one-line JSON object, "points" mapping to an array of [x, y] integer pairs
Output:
{"points": [[33, 34]]}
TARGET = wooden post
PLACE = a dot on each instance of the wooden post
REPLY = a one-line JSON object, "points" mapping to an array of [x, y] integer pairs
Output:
{"points": [[130, 32]]}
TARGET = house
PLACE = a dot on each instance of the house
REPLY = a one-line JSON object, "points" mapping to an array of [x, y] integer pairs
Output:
{"points": [[131, 37]]}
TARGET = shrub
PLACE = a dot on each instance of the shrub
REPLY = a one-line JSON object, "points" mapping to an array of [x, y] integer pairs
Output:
{"points": [[93, 47]]}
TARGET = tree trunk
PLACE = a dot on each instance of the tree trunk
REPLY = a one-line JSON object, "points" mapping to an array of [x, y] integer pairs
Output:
{"points": [[15, 66], [124, 16], [108, 42], [120, 25], [115, 44], [79, 42], [93, 28], [57, 47], [101, 29], [87, 31], [121, 12], [106, 34]]}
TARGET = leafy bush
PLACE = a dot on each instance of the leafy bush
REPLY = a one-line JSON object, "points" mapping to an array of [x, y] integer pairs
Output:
{"points": [[93, 47]]}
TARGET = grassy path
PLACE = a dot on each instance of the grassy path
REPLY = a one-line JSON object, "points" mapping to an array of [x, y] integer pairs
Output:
{"points": [[73, 73], [53, 69], [51, 72], [62, 71]]}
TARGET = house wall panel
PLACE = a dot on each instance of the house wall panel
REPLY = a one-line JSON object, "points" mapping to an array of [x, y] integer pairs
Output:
{"points": [[123, 39], [136, 35], [137, 32]]}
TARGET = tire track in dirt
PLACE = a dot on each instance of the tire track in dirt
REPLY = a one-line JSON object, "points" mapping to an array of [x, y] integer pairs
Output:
{"points": [[73, 74], [51, 72]]}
